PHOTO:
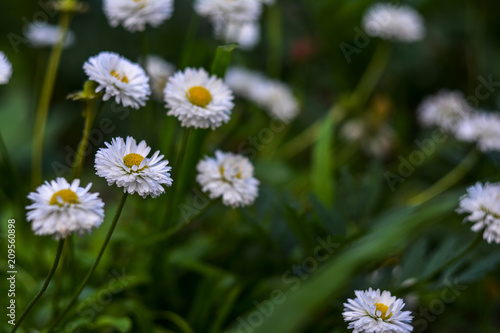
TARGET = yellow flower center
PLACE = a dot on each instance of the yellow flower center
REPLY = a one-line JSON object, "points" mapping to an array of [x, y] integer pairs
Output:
{"points": [[133, 159], [199, 96], [119, 76], [383, 309], [66, 195], [238, 175]]}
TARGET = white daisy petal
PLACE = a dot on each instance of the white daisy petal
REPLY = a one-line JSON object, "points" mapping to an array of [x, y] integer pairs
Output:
{"points": [[134, 15], [482, 202], [228, 176], [60, 208], [125, 163], [119, 78], [5, 69], [197, 99], [375, 312], [394, 22]]}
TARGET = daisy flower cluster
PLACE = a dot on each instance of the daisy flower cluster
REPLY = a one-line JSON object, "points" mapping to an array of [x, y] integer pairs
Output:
{"points": [[377, 140], [392, 22], [235, 21], [373, 311], [273, 96], [450, 111]]}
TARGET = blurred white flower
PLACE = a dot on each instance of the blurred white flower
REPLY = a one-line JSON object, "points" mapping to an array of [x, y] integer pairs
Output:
{"points": [[482, 128], [197, 99], [126, 164], [235, 21], [375, 141], [221, 11], [247, 35], [228, 176], [375, 312], [119, 78], [133, 15], [5, 69], [394, 22], [482, 203], [60, 208], [273, 96], [159, 72], [445, 109], [41, 34]]}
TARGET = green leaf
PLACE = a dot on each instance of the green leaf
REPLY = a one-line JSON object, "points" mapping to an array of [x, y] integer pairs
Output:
{"points": [[322, 163], [122, 324], [222, 59]]}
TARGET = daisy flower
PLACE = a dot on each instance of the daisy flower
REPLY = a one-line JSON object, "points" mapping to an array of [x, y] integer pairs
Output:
{"points": [[5, 69], [228, 176], [394, 23], [125, 163], [482, 128], [60, 208], [375, 312], [119, 78], [482, 203], [247, 35], [159, 71], [41, 34], [445, 109], [272, 95], [133, 15], [221, 11], [197, 99]]}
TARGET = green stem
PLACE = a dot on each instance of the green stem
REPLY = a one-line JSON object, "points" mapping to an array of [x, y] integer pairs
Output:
{"points": [[45, 98], [44, 287], [448, 180], [274, 41], [82, 147], [189, 42], [94, 266]]}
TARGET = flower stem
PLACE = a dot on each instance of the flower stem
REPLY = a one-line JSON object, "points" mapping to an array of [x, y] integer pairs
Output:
{"points": [[94, 266], [82, 147], [448, 180], [44, 287], [45, 98]]}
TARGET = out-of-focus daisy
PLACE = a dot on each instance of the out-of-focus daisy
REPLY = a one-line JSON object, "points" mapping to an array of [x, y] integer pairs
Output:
{"points": [[126, 164], [5, 69], [445, 109], [133, 15], [41, 34], [222, 11], [375, 139], [273, 96], [247, 35], [60, 208], [159, 72], [197, 99], [228, 176], [482, 203], [375, 312], [394, 22], [119, 78], [482, 128]]}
